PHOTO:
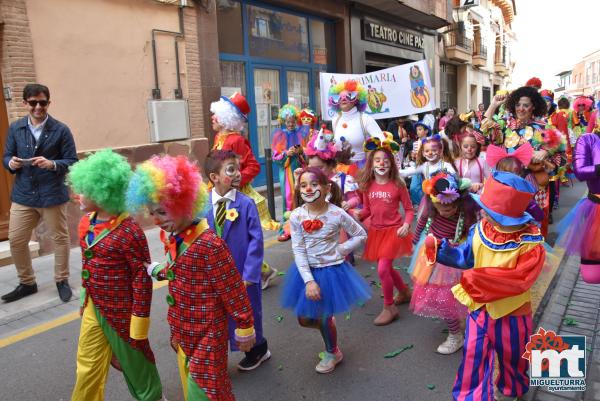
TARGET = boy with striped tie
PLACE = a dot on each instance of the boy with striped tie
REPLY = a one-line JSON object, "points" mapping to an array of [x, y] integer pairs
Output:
{"points": [[234, 217]]}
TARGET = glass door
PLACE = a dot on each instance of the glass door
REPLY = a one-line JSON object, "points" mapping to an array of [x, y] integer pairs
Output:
{"points": [[298, 89], [267, 97]]}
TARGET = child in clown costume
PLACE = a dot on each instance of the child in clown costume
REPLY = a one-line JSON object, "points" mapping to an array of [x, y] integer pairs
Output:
{"points": [[204, 285], [582, 112], [309, 118], [287, 144], [116, 292], [228, 119], [448, 213], [503, 256]]}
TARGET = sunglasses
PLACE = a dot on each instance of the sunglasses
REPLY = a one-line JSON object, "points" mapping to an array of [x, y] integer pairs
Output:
{"points": [[34, 103], [349, 96]]}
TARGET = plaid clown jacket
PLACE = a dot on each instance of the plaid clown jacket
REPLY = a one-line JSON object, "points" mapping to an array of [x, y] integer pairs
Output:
{"points": [[114, 277], [204, 288]]}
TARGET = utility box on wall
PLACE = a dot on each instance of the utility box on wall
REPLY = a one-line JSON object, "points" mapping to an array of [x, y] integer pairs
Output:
{"points": [[169, 120]]}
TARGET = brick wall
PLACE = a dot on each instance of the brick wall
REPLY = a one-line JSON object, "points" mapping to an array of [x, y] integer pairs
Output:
{"points": [[17, 65], [192, 57]]}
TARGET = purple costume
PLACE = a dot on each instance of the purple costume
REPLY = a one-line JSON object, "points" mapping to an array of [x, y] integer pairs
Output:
{"points": [[244, 238], [581, 227]]}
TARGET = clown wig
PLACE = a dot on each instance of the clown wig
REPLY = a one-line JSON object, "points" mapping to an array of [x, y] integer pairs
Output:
{"points": [[584, 101], [103, 178], [287, 111], [227, 115], [350, 85], [306, 114], [174, 183]]}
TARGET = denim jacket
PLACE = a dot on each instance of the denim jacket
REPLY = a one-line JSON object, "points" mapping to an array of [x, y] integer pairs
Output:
{"points": [[34, 186]]}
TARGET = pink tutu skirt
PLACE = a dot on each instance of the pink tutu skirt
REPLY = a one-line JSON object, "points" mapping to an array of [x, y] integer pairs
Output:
{"points": [[432, 295], [580, 230]]}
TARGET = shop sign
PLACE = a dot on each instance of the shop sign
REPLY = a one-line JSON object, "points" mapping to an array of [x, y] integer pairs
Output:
{"points": [[319, 55], [391, 35]]}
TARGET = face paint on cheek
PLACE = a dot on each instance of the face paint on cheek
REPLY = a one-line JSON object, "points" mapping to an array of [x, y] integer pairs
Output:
{"points": [[309, 196]]}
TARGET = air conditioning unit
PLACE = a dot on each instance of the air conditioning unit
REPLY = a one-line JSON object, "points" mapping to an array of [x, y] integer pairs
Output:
{"points": [[169, 120]]}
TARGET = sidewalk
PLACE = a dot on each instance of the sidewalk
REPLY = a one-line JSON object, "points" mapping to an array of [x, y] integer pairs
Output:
{"points": [[573, 308], [46, 305]]}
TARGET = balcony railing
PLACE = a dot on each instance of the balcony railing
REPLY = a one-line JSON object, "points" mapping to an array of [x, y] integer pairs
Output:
{"points": [[500, 56], [457, 38], [480, 51]]}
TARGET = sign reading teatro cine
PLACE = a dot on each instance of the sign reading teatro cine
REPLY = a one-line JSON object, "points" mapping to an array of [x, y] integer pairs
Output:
{"points": [[391, 35]]}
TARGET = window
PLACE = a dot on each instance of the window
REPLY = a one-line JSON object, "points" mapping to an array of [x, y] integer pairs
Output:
{"points": [[321, 38], [229, 21], [278, 35]]}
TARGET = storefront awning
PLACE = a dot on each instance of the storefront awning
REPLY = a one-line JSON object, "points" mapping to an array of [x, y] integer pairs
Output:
{"points": [[422, 16]]}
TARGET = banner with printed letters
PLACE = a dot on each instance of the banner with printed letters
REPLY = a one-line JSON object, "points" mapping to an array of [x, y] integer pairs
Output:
{"points": [[392, 92]]}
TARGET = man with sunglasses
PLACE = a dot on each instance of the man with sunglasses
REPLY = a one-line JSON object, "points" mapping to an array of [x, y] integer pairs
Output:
{"points": [[39, 151]]}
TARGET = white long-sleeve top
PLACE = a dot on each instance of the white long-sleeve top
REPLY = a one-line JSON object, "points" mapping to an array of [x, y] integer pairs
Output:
{"points": [[348, 125], [321, 248], [427, 169]]}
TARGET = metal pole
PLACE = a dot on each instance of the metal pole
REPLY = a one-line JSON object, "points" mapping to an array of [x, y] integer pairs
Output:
{"points": [[270, 184]]}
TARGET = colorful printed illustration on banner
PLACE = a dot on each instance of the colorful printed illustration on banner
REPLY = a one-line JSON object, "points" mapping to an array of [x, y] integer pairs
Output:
{"points": [[419, 93], [375, 100], [385, 91]]}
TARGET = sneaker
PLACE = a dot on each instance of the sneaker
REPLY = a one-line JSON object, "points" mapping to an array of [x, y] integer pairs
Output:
{"points": [[327, 364], [453, 343], [267, 276], [284, 237], [64, 290], [21, 291], [253, 360]]}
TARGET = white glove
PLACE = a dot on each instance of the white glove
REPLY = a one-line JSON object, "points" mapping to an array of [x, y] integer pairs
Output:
{"points": [[150, 268]]}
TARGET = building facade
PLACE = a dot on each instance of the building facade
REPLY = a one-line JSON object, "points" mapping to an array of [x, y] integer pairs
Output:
{"points": [[110, 65], [475, 53]]}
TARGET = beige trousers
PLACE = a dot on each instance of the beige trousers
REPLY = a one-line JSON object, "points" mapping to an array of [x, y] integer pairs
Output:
{"points": [[23, 219]]}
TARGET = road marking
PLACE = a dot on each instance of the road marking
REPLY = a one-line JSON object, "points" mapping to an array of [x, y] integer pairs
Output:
{"points": [[40, 328], [43, 327]]}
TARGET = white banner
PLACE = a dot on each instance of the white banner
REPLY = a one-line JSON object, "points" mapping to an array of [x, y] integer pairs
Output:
{"points": [[393, 92]]}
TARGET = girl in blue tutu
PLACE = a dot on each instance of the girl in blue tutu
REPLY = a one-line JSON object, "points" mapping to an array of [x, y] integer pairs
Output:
{"points": [[320, 284]]}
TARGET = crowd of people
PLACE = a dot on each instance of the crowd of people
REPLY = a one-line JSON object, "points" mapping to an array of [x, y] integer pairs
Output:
{"points": [[468, 197]]}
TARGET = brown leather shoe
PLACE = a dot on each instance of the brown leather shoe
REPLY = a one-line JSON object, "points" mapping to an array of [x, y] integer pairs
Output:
{"points": [[387, 315], [403, 297]]}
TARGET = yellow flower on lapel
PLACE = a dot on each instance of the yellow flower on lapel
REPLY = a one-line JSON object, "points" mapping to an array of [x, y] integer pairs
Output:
{"points": [[231, 214]]}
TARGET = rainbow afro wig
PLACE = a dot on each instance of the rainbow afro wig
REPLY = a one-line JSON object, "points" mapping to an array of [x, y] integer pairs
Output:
{"points": [[287, 111], [173, 183], [350, 85], [103, 178]]}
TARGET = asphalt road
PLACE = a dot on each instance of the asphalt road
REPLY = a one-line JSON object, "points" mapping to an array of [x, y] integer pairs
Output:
{"points": [[42, 367]]}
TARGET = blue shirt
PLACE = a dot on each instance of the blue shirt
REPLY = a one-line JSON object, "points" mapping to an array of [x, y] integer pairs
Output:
{"points": [[36, 130]]}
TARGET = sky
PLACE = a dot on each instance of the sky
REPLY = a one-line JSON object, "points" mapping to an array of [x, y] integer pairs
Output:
{"points": [[552, 36]]}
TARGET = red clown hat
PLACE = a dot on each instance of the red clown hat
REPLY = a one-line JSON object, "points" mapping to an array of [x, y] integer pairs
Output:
{"points": [[505, 198], [240, 103]]}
